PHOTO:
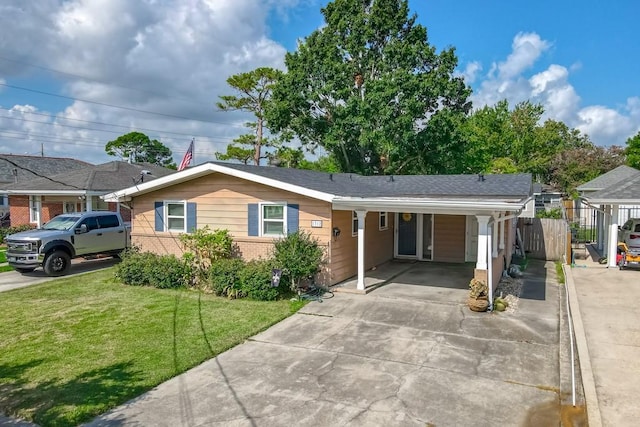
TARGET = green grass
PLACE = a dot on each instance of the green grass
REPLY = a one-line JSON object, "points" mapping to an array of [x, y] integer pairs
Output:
{"points": [[560, 272], [4, 268], [3, 255], [74, 348]]}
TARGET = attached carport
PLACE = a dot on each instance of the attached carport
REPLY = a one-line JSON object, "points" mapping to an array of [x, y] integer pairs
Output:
{"points": [[609, 200], [491, 212]]}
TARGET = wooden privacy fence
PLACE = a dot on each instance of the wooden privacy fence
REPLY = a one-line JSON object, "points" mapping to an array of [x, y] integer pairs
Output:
{"points": [[545, 238]]}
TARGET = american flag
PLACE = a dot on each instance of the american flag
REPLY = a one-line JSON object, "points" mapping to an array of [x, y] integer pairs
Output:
{"points": [[186, 160]]}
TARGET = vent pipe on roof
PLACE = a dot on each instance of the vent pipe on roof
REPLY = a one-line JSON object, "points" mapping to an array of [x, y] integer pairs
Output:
{"points": [[480, 177], [391, 178], [330, 177]]}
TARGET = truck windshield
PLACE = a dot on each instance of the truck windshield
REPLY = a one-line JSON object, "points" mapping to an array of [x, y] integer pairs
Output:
{"points": [[61, 222]]}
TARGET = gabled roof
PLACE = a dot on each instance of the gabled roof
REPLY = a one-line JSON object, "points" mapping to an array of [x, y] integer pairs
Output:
{"points": [[94, 179], [18, 169], [349, 189], [613, 177], [627, 192]]}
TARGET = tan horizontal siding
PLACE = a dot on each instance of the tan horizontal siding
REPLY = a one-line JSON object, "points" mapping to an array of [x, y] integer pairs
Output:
{"points": [[449, 238], [222, 202], [344, 249]]}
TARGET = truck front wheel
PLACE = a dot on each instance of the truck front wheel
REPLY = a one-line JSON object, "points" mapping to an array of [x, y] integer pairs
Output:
{"points": [[57, 263]]}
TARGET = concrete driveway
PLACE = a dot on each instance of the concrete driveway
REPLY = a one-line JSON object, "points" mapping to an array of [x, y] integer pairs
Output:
{"points": [[14, 280], [392, 357], [605, 306]]}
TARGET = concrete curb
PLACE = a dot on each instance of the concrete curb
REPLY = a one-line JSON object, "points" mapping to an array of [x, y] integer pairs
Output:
{"points": [[588, 381]]}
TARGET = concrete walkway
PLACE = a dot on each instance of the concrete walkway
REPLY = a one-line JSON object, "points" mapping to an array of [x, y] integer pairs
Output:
{"points": [[394, 357], [605, 303]]}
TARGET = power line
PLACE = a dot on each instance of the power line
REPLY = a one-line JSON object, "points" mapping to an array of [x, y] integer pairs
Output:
{"points": [[81, 77], [40, 175], [104, 104], [109, 124], [96, 145], [94, 129]]}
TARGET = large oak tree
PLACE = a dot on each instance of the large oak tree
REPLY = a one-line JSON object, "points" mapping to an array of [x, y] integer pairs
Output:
{"points": [[370, 89]]}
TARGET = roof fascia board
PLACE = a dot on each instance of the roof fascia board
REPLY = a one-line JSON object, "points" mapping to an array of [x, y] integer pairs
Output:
{"points": [[53, 192], [422, 205], [612, 201], [206, 169]]}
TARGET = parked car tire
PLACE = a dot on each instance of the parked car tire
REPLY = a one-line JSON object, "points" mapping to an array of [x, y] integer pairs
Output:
{"points": [[57, 263], [24, 270]]}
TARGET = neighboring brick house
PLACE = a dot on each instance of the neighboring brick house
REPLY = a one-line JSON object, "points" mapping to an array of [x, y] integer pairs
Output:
{"points": [[15, 169], [39, 199], [360, 221]]}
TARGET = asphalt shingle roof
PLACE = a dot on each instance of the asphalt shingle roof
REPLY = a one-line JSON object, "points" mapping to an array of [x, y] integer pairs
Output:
{"points": [[628, 191], [613, 177], [353, 185], [105, 177], [25, 169]]}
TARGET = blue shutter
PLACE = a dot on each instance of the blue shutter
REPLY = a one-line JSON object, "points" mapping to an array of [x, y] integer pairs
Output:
{"points": [[253, 218], [159, 206], [191, 217], [293, 214]]}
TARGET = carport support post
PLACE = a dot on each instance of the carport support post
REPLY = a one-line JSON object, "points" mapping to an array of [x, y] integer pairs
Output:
{"points": [[361, 217], [613, 237], [483, 236]]}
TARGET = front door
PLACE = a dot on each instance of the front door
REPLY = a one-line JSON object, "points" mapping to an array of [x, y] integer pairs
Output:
{"points": [[407, 232]]}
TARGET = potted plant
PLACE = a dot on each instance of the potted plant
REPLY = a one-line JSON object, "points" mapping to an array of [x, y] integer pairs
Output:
{"points": [[478, 295]]}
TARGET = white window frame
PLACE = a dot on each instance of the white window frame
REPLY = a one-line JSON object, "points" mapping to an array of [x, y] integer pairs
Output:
{"points": [[261, 232], [354, 223], [384, 215], [35, 204], [64, 206], [166, 215]]}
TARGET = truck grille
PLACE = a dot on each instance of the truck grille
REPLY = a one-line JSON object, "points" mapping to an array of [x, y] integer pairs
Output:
{"points": [[14, 246]]}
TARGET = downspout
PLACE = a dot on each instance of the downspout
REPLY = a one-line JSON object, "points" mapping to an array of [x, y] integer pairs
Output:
{"points": [[490, 266]]}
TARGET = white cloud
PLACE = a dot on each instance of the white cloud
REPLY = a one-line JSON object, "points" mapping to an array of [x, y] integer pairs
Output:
{"points": [[471, 71], [551, 88], [172, 57]]}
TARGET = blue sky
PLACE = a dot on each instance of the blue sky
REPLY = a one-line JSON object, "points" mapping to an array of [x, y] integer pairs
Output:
{"points": [[166, 62]]}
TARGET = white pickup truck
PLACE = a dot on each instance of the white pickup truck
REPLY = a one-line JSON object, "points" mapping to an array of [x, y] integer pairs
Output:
{"points": [[67, 236]]}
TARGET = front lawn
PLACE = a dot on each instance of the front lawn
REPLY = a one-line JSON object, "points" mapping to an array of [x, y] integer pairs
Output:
{"points": [[73, 348]]}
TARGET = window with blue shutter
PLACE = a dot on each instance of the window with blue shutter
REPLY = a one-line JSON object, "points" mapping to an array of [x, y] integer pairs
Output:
{"points": [[176, 216], [272, 219]]}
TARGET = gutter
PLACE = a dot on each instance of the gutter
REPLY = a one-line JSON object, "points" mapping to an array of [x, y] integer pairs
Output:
{"points": [[409, 204]]}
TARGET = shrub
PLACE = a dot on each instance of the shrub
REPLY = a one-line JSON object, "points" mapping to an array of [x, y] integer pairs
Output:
{"points": [[148, 269], [255, 281], [299, 256], [167, 271], [555, 213], [224, 277], [4, 232], [204, 248]]}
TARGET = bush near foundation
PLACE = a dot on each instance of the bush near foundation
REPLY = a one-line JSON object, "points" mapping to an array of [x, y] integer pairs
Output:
{"points": [[148, 269]]}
